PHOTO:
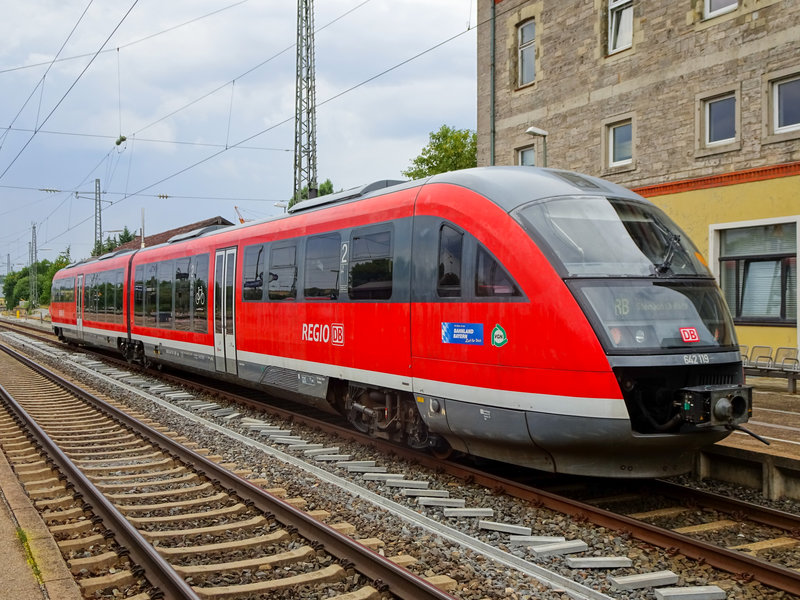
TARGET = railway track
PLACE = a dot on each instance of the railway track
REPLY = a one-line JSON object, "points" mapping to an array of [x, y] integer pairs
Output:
{"points": [[153, 513], [659, 528]]}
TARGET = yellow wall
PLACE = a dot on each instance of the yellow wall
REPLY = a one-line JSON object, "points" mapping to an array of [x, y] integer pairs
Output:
{"points": [[775, 337], [695, 210]]}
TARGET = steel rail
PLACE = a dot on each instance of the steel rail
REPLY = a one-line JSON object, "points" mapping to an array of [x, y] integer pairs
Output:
{"points": [[748, 567], [728, 560], [157, 570], [386, 574], [759, 514]]}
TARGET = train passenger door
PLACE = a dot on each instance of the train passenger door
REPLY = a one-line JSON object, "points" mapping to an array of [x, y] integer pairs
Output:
{"points": [[224, 315], [79, 305]]}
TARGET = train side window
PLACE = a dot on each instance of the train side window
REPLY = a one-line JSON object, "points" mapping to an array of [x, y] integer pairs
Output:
{"points": [[491, 280], [88, 294], [101, 293], [451, 247], [371, 265], [198, 276], [151, 294], [138, 295], [253, 273], [108, 300], [98, 292], [63, 290], [165, 282], [119, 295], [182, 306], [283, 273], [98, 303], [111, 296], [322, 267]]}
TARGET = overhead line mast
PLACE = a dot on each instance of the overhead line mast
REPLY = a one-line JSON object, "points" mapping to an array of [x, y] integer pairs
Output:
{"points": [[305, 123]]}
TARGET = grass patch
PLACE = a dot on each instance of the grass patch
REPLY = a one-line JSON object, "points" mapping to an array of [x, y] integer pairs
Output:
{"points": [[23, 538]]}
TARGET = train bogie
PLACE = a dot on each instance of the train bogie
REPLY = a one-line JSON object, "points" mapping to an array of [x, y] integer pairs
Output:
{"points": [[537, 317]]}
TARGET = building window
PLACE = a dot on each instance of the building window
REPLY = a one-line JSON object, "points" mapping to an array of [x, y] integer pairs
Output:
{"points": [[758, 273], [715, 8], [720, 120], [620, 25], [786, 105], [620, 144], [527, 157], [527, 52]]}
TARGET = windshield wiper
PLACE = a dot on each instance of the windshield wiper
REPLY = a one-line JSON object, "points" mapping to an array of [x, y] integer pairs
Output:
{"points": [[672, 245]]}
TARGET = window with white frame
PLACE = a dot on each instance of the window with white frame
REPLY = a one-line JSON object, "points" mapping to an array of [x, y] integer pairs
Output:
{"points": [[786, 104], [719, 115], [527, 157], [713, 8], [758, 272], [620, 25], [526, 37], [620, 143]]}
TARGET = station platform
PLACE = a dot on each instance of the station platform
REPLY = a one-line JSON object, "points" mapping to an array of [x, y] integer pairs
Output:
{"points": [[18, 567]]}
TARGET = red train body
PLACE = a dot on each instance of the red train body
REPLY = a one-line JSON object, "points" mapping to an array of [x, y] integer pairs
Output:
{"points": [[537, 317]]}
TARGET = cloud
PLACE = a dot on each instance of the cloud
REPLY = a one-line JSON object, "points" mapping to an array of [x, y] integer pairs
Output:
{"points": [[371, 132]]}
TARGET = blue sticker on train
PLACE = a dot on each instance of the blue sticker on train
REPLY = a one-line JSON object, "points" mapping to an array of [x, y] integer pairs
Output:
{"points": [[462, 333]]}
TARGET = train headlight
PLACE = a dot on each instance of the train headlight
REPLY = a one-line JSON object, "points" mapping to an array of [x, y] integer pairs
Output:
{"points": [[639, 337]]}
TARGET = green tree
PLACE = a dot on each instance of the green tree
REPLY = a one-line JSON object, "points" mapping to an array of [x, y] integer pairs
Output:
{"points": [[325, 188], [46, 278], [112, 243], [448, 149], [21, 290], [16, 286], [10, 285]]}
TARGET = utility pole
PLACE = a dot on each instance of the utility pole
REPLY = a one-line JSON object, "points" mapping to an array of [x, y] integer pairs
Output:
{"points": [[98, 218], [8, 264], [305, 119], [32, 270]]}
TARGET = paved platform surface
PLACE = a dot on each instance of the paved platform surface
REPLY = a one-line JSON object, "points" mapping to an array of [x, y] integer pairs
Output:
{"points": [[17, 579]]}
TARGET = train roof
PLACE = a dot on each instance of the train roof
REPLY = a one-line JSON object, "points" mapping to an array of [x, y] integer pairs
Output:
{"points": [[510, 187]]}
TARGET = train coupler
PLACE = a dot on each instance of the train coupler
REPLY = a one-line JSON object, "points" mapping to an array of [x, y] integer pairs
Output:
{"points": [[715, 405]]}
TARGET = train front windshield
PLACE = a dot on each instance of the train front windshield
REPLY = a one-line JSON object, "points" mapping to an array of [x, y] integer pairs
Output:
{"points": [[641, 281]]}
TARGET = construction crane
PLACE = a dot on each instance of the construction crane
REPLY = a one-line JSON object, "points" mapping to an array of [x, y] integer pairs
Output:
{"points": [[239, 214]]}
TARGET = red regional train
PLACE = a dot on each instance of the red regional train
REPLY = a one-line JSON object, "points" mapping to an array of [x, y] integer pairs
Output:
{"points": [[533, 316]]}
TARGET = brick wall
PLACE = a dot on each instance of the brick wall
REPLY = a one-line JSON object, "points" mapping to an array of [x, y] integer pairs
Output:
{"points": [[676, 60]]}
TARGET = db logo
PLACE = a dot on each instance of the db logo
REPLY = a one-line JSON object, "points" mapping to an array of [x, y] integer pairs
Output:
{"points": [[689, 334], [337, 334]]}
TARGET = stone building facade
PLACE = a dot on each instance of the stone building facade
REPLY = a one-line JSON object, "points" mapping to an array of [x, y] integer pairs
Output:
{"points": [[689, 102]]}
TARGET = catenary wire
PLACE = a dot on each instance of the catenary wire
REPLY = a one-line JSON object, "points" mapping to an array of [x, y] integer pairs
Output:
{"points": [[42, 80], [141, 191], [74, 83], [128, 44]]}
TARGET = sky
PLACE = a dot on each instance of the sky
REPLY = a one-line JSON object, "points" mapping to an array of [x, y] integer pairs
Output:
{"points": [[203, 92]]}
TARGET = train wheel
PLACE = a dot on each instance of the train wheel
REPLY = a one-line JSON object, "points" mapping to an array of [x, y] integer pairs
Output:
{"points": [[442, 450]]}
